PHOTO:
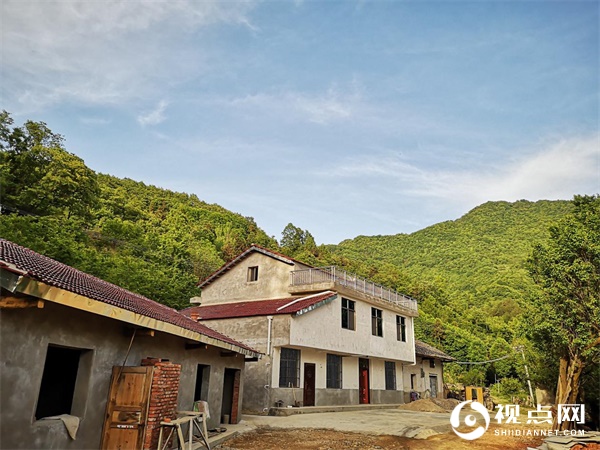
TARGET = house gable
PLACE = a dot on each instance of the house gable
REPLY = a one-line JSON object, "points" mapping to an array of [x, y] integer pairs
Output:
{"points": [[254, 275]]}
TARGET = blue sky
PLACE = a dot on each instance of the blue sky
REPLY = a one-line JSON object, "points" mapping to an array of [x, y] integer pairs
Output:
{"points": [[344, 118]]}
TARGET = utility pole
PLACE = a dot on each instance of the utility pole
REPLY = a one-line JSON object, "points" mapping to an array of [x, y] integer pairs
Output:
{"points": [[520, 348]]}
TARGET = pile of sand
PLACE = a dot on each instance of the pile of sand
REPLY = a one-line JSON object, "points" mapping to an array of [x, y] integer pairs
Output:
{"points": [[447, 403], [423, 405]]}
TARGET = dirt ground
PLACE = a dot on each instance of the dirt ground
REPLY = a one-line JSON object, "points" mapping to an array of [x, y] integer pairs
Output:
{"points": [[266, 438]]}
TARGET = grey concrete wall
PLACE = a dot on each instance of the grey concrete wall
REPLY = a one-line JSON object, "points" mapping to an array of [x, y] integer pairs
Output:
{"points": [[253, 331], [379, 396], [24, 338], [334, 397]]}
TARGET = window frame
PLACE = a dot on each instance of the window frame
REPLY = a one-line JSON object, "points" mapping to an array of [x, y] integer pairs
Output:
{"points": [[376, 322], [390, 376], [413, 381], [290, 358], [401, 328], [252, 275], [349, 314], [334, 371]]}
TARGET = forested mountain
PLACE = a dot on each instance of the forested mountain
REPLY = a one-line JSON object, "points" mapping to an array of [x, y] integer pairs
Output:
{"points": [[478, 258], [471, 279], [468, 275], [147, 239]]}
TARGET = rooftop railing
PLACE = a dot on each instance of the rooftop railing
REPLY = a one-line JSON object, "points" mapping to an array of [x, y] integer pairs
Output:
{"points": [[351, 281]]}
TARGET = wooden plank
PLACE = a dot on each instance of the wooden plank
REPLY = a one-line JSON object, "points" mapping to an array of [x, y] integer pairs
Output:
{"points": [[127, 408], [12, 302], [139, 331], [189, 346]]}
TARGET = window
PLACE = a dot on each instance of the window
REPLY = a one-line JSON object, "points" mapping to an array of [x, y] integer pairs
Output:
{"points": [[252, 273], [347, 314], [289, 367], [64, 382], [432, 363], [413, 381], [390, 376], [401, 328], [376, 322], [334, 371]]}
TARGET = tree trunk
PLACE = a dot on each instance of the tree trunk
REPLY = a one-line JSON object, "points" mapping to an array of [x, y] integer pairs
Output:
{"points": [[567, 390]]}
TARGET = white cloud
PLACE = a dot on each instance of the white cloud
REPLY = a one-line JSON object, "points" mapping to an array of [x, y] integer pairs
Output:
{"points": [[321, 108], [98, 121], [325, 108], [154, 117], [100, 52], [556, 171]]}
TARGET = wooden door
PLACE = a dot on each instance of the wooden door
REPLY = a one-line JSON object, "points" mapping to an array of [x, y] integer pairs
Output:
{"points": [[433, 385], [363, 380], [309, 385], [127, 408]]}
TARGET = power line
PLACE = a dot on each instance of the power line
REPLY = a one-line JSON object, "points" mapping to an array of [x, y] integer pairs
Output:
{"points": [[482, 362]]}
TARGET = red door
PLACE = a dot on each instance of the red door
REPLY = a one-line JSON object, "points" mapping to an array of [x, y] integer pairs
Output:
{"points": [[363, 380]]}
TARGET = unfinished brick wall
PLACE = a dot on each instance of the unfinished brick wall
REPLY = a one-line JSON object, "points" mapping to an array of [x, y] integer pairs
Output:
{"points": [[163, 397]]}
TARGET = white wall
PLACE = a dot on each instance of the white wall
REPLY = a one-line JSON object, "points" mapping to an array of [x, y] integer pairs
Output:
{"points": [[322, 329], [350, 374], [423, 382]]}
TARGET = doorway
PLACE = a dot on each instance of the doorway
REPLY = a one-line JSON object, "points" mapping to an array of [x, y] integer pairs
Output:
{"points": [[433, 385], [363, 381], [202, 382], [231, 389], [309, 385]]}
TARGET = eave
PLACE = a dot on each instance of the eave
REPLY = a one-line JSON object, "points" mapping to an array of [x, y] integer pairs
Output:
{"points": [[37, 289]]}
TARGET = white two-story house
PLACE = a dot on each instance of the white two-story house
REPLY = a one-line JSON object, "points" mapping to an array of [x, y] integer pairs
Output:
{"points": [[328, 337]]}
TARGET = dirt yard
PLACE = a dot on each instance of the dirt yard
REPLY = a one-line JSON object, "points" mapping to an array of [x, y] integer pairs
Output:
{"points": [[303, 432], [320, 439]]}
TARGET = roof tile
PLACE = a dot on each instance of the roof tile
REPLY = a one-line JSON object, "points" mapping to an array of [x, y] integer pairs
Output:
{"points": [[423, 349], [258, 307], [60, 275]]}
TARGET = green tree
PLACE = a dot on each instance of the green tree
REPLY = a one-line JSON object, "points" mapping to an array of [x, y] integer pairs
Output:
{"points": [[566, 316], [38, 175], [295, 240]]}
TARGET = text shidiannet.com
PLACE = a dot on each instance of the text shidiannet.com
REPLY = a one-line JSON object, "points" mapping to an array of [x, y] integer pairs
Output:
{"points": [[510, 414]]}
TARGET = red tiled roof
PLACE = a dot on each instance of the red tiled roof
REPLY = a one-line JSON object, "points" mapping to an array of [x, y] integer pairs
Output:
{"points": [[289, 305], [423, 349], [253, 248], [60, 275]]}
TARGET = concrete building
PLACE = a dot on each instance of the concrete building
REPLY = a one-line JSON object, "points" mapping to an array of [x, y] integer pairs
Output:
{"points": [[69, 342], [426, 376], [329, 337]]}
